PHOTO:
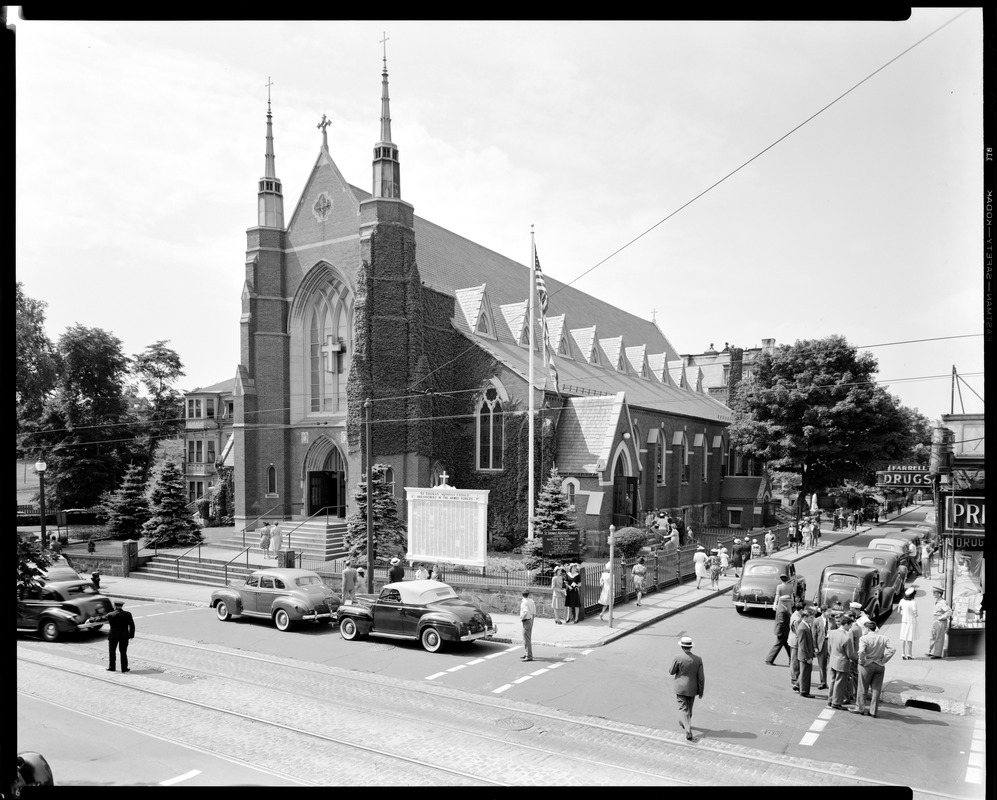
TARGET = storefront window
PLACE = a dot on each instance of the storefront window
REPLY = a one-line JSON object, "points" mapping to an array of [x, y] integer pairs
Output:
{"points": [[967, 589]]}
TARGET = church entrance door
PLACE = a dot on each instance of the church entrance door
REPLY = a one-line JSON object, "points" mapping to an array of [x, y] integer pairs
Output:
{"points": [[625, 501], [327, 491]]}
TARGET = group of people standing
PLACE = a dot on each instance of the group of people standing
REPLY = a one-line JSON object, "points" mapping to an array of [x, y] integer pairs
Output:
{"points": [[566, 594], [849, 650], [271, 538]]}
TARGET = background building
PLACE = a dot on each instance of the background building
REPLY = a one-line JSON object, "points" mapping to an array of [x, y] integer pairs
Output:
{"points": [[208, 418]]}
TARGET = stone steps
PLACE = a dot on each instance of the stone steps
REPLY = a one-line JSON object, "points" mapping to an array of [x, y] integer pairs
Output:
{"points": [[207, 572]]}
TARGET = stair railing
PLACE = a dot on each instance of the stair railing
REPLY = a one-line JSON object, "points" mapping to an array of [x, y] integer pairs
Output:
{"points": [[323, 510], [177, 559], [225, 565], [246, 527]]}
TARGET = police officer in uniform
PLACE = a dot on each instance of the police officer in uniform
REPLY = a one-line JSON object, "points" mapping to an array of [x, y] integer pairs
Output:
{"points": [[122, 630]]}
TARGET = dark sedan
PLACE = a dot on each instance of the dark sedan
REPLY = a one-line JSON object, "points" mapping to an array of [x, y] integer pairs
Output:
{"points": [[61, 607], [843, 584], [757, 584], [427, 611]]}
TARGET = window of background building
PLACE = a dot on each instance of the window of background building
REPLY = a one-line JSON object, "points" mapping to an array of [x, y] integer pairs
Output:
{"points": [[271, 479], [195, 451], [389, 480], [194, 408], [211, 452], [209, 408], [569, 494], [733, 519]]}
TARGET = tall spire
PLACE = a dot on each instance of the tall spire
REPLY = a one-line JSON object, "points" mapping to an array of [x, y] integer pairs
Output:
{"points": [[270, 195], [387, 170]]}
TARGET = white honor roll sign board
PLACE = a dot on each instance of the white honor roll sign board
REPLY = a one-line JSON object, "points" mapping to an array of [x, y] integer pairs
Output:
{"points": [[447, 524]]}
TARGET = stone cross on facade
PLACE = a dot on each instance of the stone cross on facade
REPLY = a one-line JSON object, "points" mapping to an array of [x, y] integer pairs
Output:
{"points": [[330, 350], [325, 123]]}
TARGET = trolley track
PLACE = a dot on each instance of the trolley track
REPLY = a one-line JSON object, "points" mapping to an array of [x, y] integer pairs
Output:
{"points": [[386, 728]]}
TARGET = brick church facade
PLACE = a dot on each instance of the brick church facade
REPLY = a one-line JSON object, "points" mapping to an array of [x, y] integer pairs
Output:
{"points": [[355, 298]]}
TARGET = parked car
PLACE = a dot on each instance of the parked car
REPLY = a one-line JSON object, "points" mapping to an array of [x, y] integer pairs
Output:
{"points": [[898, 546], [759, 579], [850, 583], [61, 607], [907, 535], [284, 595], [428, 611], [892, 573]]}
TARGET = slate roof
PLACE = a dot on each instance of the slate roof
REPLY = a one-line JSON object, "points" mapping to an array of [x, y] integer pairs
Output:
{"points": [[452, 264], [742, 487], [225, 387], [584, 433]]}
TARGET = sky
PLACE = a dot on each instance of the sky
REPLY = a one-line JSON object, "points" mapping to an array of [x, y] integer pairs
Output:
{"points": [[734, 181]]}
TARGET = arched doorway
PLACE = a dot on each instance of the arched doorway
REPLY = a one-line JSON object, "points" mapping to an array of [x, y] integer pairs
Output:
{"points": [[325, 479], [624, 492]]}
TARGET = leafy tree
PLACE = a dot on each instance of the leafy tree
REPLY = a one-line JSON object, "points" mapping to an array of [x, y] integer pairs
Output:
{"points": [[158, 367], [171, 523], [127, 509], [32, 561], [551, 511], [34, 362], [814, 409], [86, 435], [390, 538]]}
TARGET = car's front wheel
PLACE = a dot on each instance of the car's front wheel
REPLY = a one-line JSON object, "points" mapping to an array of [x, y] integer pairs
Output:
{"points": [[222, 612], [348, 629], [431, 640], [281, 619], [49, 631], [740, 609]]}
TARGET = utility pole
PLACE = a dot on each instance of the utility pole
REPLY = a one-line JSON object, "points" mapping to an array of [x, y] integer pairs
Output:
{"points": [[370, 502]]}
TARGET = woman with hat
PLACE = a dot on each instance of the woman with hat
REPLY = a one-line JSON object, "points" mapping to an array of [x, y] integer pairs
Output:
{"points": [[716, 567], [939, 624], [639, 573], [606, 582], [699, 562], [908, 624], [573, 599], [737, 558], [557, 593]]}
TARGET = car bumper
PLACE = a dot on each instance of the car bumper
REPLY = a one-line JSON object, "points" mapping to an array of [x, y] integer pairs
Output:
{"points": [[754, 603], [314, 615], [487, 633]]}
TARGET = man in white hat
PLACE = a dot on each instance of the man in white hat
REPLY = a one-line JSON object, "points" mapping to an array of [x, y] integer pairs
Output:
{"points": [[397, 571], [690, 682], [939, 623]]}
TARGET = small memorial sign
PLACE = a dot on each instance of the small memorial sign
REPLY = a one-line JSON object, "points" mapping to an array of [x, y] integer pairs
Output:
{"points": [[560, 544]]}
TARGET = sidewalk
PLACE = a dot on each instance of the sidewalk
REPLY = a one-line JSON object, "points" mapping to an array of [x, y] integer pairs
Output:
{"points": [[952, 685]]}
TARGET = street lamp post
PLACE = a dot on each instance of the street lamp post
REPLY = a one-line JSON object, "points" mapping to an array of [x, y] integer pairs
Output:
{"points": [[40, 467], [612, 572]]}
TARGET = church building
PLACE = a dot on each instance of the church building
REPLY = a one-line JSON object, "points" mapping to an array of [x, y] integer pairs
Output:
{"points": [[354, 297]]}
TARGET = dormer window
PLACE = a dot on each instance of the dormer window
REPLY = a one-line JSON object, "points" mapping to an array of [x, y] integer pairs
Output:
{"points": [[482, 326], [620, 366]]}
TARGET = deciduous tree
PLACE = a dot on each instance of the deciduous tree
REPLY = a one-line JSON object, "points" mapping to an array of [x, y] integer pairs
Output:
{"points": [[34, 362]]}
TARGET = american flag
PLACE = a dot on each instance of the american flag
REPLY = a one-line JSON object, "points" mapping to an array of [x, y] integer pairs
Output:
{"points": [[542, 294]]}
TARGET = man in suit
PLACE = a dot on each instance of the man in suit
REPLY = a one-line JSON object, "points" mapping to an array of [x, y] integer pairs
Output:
{"points": [[350, 577], [122, 630], [821, 627], [792, 640], [874, 651], [690, 682], [806, 651], [840, 655], [782, 614]]}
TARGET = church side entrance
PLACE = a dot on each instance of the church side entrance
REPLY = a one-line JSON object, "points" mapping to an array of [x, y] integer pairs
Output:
{"points": [[625, 501]]}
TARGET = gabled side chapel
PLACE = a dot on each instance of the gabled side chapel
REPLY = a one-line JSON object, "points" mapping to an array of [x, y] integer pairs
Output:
{"points": [[356, 297]]}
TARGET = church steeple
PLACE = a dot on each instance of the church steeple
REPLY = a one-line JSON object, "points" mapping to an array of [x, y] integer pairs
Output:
{"points": [[387, 170], [270, 195]]}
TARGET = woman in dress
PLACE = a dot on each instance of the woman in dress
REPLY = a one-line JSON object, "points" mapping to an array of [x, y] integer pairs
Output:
{"points": [[606, 582], [639, 572], [572, 584], [557, 594], [276, 538], [699, 562], [908, 624], [716, 567], [265, 540]]}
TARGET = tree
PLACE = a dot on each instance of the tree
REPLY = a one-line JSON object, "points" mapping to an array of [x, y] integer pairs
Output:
{"points": [[86, 434], [814, 409], [158, 367], [390, 539], [34, 362], [171, 523], [127, 509], [32, 561], [551, 511]]}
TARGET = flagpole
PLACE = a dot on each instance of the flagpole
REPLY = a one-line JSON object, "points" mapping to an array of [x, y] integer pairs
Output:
{"points": [[533, 291]]}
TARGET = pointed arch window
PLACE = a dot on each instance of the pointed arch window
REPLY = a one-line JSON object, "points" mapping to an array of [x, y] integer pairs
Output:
{"points": [[660, 456], [329, 326], [436, 475], [271, 480], [562, 348], [482, 326], [389, 480], [491, 431]]}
